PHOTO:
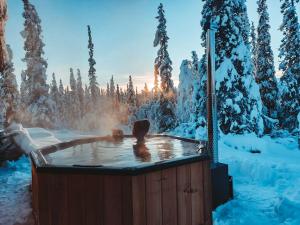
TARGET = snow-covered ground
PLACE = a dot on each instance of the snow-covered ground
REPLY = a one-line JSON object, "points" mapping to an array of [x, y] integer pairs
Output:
{"points": [[266, 185]]}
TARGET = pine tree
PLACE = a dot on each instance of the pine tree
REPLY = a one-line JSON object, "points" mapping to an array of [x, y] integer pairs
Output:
{"points": [[156, 88], [40, 107], [23, 92], [265, 71], [145, 93], [74, 104], [87, 99], [195, 62], [118, 96], [54, 90], [61, 107], [92, 71], [185, 90], [80, 93], [130, 94], [8, 89], [289, 53], [107, 90], [253, 48], [163, 63], [112, 87], [239, 105]]}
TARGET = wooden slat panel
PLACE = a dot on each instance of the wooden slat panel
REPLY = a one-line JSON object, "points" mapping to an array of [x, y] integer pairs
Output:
{"points": [[93, 190], [169, 196], [207, 193], [44, 191], [139, 200], [58, 200], [34, 189], [184, 208], [197, 193], [153, 198], [112, 200], [127, 213], [76, 199]]}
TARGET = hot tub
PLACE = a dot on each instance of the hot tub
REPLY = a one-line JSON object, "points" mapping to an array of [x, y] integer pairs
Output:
{"points": [[114, 181]]}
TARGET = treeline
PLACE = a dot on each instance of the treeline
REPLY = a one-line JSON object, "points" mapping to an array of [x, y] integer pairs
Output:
{"points": [[249, 96]]}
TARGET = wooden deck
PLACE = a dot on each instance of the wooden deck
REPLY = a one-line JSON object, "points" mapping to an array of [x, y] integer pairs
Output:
{"points": [[174, 196]]}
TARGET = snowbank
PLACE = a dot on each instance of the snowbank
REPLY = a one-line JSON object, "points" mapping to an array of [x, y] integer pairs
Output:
{"points": [[266, 185]]}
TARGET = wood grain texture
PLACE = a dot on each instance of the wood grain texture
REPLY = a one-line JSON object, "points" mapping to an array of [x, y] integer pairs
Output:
{"points": [[207, 185], [44, 191], [139, 200], [174, 196], [112, 200], [59, 199], [169, 196], [184, 202], [154, 198], [76, 199], [197, 194]]}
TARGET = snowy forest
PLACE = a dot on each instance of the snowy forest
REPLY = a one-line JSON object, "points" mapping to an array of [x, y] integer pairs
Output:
{"points": [[251, 101], [250, 97]]}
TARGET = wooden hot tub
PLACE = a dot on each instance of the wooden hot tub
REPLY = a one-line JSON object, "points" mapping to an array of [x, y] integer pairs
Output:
{"points": [[106, 181]]}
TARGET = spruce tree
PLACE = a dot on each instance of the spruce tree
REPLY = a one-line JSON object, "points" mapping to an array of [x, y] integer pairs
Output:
{"points": [[163, 63], [195, 62], [145, 92], [156, 87], [118, 96], [54, 89], [265, 71], [253, 48], [107, 90], [40, 108], [8, 89], [61, 104], [130, 94], [92, 71], [289, 53], [112, 87], [74, 104], [80, 92], [239, 105]]}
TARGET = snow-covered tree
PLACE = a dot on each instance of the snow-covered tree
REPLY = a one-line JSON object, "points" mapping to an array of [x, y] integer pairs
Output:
{"points": [[80, 92], [87, 99], [40, 107], [74, 104], [131, 101], [239, 104], [118, 96], [112, 87], [8, 89], [265, 71], [195, 62], [163, 62], [289, 53], [253, 48], [62, 104], [92, 71], [156, 87], [54, 89], [185, 90], [145, 93], [163, 67], [107, 90]]}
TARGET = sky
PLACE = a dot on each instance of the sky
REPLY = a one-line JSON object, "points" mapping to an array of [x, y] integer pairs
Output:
{"points": [[123, 33]]}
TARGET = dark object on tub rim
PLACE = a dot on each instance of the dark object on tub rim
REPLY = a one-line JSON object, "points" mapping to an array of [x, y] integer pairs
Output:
{"points": [[140, 129]]}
